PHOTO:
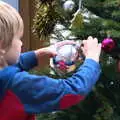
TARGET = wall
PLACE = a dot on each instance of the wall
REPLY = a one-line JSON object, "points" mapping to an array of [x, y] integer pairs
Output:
{"points": [[30, 41], [14, 3]]}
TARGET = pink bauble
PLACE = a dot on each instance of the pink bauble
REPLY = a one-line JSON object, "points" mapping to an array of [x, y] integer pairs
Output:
{"points": [[108, 44]]}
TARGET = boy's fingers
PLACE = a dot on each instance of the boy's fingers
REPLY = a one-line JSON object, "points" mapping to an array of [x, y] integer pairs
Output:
{"points": [[66, 42], [84, 51], [100, 45], [90, 38], [53, 54], [84, 42], [95, 40]]}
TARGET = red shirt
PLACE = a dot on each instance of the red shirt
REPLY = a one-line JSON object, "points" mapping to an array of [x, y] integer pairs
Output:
{"points": [[11, 108]]}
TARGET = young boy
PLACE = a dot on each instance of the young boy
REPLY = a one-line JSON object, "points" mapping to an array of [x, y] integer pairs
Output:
{"points": [[23, 94]]}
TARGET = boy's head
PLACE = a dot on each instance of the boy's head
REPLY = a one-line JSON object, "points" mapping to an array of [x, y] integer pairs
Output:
{"points": [[11, 29]]}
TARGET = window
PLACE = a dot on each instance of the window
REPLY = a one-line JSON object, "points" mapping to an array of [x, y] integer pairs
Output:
{"points": [[14, 3]]}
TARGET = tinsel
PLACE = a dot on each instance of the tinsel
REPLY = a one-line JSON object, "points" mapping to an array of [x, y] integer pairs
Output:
{"points": [[46, 17]]}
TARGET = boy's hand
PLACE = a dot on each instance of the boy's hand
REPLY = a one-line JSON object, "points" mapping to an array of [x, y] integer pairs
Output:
{"points": [[91, 48], [51, 51]]}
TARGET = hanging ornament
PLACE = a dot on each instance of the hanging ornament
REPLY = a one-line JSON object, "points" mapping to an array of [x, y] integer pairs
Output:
{"points": [[108, 44], [77, 21], [65, 61], [68, 5], [115, 85], [110, 47], [109, 61]]}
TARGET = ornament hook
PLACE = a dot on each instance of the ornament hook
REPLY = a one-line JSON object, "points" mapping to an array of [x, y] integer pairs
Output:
{"points": [[80, 5]]}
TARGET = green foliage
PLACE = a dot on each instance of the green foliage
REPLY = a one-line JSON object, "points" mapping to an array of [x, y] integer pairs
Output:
{"points": [[106, 23], [104, 101], [104, 8], [99, 28]]}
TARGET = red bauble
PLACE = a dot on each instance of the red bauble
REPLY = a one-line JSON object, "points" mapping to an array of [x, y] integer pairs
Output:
{"points": [[108, 44], [62, 65]]}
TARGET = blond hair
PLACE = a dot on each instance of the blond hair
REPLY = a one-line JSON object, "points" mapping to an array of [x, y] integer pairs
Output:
{"points": [[10, 23]]}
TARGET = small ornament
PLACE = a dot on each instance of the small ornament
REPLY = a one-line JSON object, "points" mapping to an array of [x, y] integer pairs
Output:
{"points": [[108, 45], [111, 83], [109, 61], [66, 58], [68, 5]]}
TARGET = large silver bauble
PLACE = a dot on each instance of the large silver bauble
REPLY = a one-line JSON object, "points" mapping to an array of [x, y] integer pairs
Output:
{"points": [[65, 60]]}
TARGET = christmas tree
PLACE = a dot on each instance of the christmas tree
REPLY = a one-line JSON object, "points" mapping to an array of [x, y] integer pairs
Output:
{"points": [[98, 18]]}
